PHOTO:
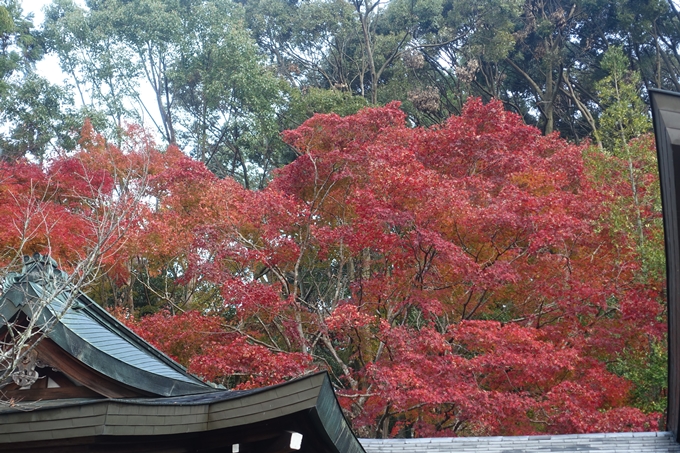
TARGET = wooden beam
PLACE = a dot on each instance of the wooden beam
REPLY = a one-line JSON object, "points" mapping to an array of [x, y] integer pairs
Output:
{"points": [[35, 394], [51, 353], [288, 442]]}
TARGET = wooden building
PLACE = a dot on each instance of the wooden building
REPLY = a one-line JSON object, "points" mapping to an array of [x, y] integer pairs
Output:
{"points": [[92, 385]]}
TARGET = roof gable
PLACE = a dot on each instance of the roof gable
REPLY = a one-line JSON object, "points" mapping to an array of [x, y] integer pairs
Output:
{"points": [[89, 334]]}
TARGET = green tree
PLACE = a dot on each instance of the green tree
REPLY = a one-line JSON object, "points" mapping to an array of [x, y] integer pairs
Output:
{"points": [[228, 101], [36, 114], [648, 370], [212, 94], [650, 33], [624, 117], [353, 46]]}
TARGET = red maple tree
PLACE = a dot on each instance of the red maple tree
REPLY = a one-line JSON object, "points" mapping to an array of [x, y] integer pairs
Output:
{"points": [[458, 280], [473, 278]]}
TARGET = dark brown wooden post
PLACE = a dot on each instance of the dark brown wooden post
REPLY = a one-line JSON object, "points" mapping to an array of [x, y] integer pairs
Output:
{"points": [[666, 115]]}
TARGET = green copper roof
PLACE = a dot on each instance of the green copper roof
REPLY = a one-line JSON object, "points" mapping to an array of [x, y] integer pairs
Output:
{"points": [[93, 336]]}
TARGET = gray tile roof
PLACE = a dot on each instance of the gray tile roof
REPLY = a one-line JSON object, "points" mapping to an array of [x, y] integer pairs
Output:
{"points": [[651, 442]]}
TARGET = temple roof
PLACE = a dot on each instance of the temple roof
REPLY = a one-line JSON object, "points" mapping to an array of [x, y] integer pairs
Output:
{"points": [[90, 334], [97, 386], [253, 420]]}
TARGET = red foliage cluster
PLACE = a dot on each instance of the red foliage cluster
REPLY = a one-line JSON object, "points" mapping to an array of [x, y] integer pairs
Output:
{"points": [[67, 206], [459, 280], [201, 343]]}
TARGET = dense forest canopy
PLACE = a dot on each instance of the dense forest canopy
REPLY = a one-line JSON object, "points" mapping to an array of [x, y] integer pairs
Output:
{"points": [[450, 205], [221, 79]]}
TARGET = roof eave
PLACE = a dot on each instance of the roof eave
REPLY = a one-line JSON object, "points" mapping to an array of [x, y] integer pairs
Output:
{"points": [[307, 403]]}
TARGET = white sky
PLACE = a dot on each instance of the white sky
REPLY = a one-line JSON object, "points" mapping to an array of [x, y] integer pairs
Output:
{"points": [[49, 66], [35, 6]]}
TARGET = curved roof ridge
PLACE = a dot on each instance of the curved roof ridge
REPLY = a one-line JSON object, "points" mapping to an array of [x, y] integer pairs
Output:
{"points": [[90, 334]]}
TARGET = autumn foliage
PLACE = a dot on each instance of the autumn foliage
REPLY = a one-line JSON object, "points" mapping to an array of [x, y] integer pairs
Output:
{"points": [[472, 278], [64, 207]]}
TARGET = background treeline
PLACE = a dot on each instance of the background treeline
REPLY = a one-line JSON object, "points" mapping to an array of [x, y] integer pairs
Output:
{"points": [[456, 270], [222, 78]]}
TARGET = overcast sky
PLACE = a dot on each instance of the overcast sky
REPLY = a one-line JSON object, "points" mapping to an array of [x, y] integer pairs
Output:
{"points": [[49, 66]]}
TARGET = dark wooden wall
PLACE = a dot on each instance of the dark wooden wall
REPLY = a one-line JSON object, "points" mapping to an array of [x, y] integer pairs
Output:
{"points": [[666, 114]]}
